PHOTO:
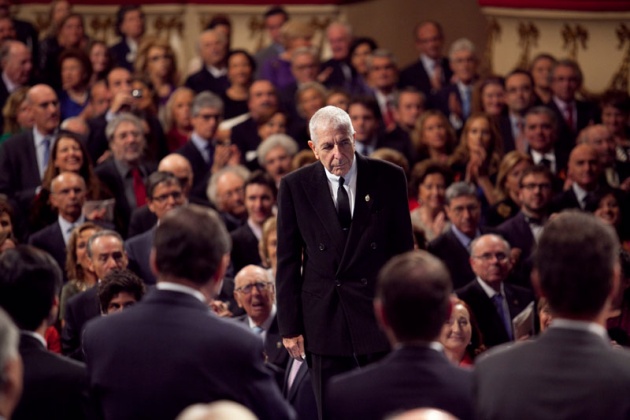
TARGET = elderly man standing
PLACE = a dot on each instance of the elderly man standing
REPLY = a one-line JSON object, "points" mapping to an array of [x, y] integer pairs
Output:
{"points": [[339, 221]]}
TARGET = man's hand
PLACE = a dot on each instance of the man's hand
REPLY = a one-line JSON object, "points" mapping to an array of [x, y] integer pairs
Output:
{"points": [[295, 347]]}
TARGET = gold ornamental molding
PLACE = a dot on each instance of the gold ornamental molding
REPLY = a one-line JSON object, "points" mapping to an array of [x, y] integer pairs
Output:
{"points": [[620, 78], [493, 35], [528, 35], [574, 37]]}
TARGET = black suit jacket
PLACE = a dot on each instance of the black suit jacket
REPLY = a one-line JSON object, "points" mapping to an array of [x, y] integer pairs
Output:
{"points": [[119, 53], [201, 169], [138, 251], [456, 258], [4, 95], [245, 136], [489, 321], [109, 175], [518, 233], [568, 374], [416, 75], [410, 377], [55, 387], [142, 219], [180, 354], [399, 140], [244, 248], [300, 395], [50, 239], [19, 173], [203, 80], [326, 280], [586, 114], [505, 129], [79, 310]]}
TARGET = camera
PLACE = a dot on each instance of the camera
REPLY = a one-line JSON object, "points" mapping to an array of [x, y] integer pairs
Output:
{"points": [[136, 93]]}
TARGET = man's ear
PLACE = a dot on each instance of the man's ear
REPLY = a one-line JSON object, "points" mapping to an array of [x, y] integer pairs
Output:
{"points": [[535, 279], [379, 312], [152, 263]]}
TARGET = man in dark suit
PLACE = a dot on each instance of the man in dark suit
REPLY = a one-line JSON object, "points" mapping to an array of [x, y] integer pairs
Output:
{"points": [[260, 199], [125, 172], [11, 366], [524, 229], [17, 64], [453, 247], [455, 99], [274, 18], [24, 156], [130, 27], [585, 174], [213, 49], [493, 301], [559, 374], [119, 84], [226, 191], [67, 195], [412, 304], [164, 193], [105, 252], [339, 220], [216, 360], [601, 138], [54, 387], [339, 72], [572, 114], [519, 97], [541, 133], [204, 151], [254, 292], [431, 72]]}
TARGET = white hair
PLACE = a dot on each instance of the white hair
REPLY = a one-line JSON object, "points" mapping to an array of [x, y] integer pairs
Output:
{"points": [[330, 117], [276, 140]]}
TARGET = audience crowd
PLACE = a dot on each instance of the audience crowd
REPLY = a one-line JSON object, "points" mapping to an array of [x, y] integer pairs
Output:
{"points": [[132, 183]]}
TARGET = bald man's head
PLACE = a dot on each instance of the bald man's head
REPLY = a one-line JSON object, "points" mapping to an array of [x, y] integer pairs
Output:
{"points": [[179, 166]]}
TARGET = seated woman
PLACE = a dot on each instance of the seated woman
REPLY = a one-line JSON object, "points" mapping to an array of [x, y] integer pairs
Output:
{"points": [[433, 137], [17, 115], [461, 336], [177, 118], [81, 276], [67, 155], [429, 180], [240, 72], [489, 96], [101, 60], [478, 155], [76, 73], [268, 245], [507, 188], [276, 124]]}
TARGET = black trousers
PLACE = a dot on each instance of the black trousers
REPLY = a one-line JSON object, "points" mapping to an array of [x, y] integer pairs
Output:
{"points": [[323, 368]]}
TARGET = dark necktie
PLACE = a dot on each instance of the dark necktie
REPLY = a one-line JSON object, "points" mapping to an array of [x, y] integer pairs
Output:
{"points": [[343, 205], [505, 318]]}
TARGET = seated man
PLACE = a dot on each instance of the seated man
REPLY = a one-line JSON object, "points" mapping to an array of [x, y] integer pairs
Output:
{"points": [[494, 302], [119, 290], [227, 193], [412, 304], [275, 155], [54, 387]]}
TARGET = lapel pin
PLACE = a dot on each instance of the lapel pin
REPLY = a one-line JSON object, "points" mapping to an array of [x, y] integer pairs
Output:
{"points": [[367, 197]]}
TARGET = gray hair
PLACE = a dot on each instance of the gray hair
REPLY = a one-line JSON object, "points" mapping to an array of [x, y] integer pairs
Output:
{"points": [[211, 191], [220, 36], [112, 126], [276, 140], [409, 90], [462, 44], [567, 62], [460, 189], [500, 238], [9, 338], [206, 99], [100, 234], [380, 53], [344, 25], [305, 51], [330, 117]]}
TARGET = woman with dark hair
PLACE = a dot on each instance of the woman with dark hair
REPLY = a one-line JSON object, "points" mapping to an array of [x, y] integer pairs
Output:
{"points": [[68, 154], [240, 72], [489, 96], [429, 180], [101, 60], [359, 51], [507, 187], [461, 336], [433, 137], [76, 73], [71, 35]]}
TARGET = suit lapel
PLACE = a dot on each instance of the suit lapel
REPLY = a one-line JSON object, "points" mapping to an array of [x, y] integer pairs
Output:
{"points": [[318, 193]]}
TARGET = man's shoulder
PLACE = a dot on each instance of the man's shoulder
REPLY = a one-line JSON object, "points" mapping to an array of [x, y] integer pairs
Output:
{"points": [[17, 141], [44, 235], [472, 288], [140, 239], [81, 298]]}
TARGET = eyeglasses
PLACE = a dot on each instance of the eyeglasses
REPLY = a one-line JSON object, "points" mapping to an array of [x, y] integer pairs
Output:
{"points": [[208, 117], [176, 195], [533, 186], [471, 208], [488, 256], [261, 286]]}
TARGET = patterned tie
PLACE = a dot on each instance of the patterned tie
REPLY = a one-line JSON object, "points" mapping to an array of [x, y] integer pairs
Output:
{"points": [[498, 304], [343, 206]]}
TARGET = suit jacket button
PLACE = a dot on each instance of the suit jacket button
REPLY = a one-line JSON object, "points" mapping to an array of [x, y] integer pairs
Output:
{"points": [[364, 281], [322, 247], [373, 245]]}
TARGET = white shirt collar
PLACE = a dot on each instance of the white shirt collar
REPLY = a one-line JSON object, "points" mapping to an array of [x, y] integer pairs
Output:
{"points": [[202, 145], [348, 178], [580, 194], [257, 230], [217, 72], [176, 287], [10, 85], [489, 290], [67, 226], [35, 336]]}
